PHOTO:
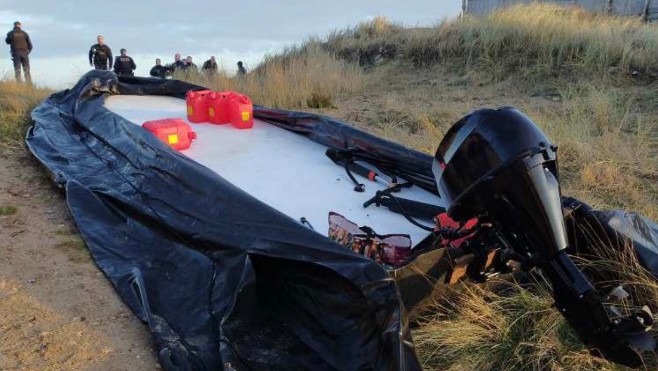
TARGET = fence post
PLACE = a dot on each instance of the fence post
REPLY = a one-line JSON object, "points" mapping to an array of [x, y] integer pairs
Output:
{"points": [[645, 13], [464, 7], [610, 6]]}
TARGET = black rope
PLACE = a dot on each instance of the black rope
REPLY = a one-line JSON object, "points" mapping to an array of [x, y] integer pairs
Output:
{"points": [[377, 199], [358, 187], [410, 219]]}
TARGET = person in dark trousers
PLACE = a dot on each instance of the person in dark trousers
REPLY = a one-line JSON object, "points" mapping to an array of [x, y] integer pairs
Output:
{"points": [[124, 65], [100, 55], [159, 70], [210, 66], [20, 47], [241, 69]]}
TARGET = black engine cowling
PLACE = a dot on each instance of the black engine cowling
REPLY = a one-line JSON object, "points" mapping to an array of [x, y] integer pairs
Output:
{"points": [[498, 166]]}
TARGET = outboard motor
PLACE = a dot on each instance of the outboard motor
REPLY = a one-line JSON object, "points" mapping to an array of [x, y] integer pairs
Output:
{"points": [[499, 167]]}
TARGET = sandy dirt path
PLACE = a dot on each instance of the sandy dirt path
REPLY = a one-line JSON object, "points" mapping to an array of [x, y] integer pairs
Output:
{"points": [[57, 310]]}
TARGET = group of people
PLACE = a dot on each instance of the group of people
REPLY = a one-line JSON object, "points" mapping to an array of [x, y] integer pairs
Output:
{"points": [[208, 67], [100, 57], [162, 71]]}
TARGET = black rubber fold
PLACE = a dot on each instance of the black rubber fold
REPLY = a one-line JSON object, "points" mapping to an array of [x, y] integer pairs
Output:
{"points": [[223, 280]]}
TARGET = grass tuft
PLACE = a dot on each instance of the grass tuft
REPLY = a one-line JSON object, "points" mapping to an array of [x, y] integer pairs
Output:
{"points": [[75, 249], [510, 328], [8, 210], [319, 100], [16, 103]]}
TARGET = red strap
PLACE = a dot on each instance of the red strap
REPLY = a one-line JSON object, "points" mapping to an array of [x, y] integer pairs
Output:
{"points": [[444, 221]]}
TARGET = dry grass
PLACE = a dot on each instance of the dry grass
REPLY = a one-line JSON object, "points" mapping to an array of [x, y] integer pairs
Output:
{"points": [[397, 117], [515, 328], [369, 43], [300, 77], [16, 103], [543, 39], [532, 41], [608, 145]]}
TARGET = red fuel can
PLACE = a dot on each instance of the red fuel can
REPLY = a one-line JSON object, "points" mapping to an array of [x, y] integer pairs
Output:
{"points": [[231, 107], [241, 111], [197, 105], [175, 132], [218, 103]]}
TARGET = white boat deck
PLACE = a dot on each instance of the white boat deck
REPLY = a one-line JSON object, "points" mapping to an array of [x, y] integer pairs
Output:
{"points": [[278, 167]]}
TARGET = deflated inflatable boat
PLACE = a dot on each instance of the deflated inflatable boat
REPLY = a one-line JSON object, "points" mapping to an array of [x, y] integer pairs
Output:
{"points": [[223, 249]]}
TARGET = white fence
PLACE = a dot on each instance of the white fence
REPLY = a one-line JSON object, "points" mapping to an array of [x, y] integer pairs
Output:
{"points": [[647, 9]]}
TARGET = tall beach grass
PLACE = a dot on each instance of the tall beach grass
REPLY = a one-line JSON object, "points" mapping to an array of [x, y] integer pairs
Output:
{"points": [[16, 103]]}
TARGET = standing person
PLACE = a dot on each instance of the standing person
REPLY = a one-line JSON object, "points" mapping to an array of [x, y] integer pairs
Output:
{"points": [[124, 65], [189, 66], [210, 66], [159, 70], [178, 64], [100, 55], [20, 47], [241, 69]]}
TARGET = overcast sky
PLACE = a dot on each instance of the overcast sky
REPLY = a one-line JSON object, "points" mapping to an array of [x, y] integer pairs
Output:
{"points": [[63, 31]]}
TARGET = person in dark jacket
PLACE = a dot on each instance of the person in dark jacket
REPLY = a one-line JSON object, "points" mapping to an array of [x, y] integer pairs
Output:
{"points": [[241, 69], [20, 47], [178, 64], [210, 66], [100, 55], [124, 65], [159, 70], [189, 66]]}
